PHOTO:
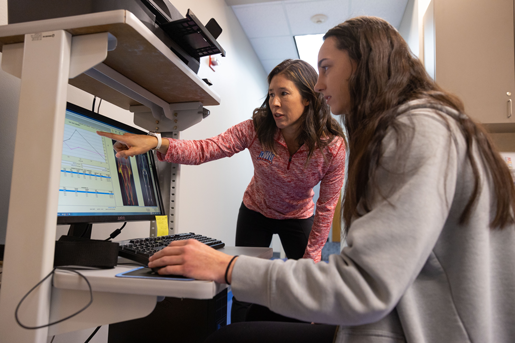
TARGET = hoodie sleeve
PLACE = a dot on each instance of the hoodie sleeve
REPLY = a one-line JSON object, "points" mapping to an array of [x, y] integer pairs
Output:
{"points": [[387, 247]]}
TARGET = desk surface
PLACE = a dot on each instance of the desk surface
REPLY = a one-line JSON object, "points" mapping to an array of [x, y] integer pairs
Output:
{"points": [[104, 280], [139, 56]]}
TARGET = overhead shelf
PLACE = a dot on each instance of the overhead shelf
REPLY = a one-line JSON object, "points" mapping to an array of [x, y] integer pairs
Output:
{"points": [[139, 55]]}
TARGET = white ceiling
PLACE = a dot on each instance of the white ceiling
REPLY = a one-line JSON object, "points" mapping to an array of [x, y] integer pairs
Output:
{"points": [[271, 25]]}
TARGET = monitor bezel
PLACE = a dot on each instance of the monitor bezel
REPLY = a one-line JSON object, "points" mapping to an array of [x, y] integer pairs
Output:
{"points": [[92, 219]]}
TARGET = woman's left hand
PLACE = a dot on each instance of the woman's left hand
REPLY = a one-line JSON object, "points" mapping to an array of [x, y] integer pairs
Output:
{"points": [[194, 259]]}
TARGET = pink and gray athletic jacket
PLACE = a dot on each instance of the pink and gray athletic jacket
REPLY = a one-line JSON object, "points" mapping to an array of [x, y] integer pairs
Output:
{"points": [[282, 185]]}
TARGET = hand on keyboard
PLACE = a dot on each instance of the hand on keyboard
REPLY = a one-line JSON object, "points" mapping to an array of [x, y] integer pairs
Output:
{"points": [[140, 249], [192, 259]]}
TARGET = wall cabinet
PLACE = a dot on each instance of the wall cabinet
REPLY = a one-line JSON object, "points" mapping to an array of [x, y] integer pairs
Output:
{"points": [[474, 56]]}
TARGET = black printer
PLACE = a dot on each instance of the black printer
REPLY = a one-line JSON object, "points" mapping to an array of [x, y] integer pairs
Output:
{"points": [[186, 36]]}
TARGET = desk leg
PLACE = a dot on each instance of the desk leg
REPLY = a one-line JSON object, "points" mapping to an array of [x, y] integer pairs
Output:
{"points": [[31, 226]]}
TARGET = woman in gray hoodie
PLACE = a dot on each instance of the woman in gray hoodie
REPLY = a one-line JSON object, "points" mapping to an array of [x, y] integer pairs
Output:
{"points": [[428, 215]]}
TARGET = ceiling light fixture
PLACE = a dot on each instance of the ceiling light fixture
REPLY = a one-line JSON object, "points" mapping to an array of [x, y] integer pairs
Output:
{"points": [[319, 18], [308, 46]]}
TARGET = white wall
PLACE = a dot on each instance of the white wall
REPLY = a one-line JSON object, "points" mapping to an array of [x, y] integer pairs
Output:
{"points": [[411, 28]]}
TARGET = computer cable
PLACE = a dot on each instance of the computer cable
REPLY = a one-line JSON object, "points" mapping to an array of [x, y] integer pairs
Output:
{"points": [[52, 273], [93, 334], [116, 232], [93, 106], [98, 108]]}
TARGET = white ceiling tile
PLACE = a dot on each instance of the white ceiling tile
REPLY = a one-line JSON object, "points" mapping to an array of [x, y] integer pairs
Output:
{"points": [[262, 20], [270, 26], [391, 10], [299, 15], [275, 47]]}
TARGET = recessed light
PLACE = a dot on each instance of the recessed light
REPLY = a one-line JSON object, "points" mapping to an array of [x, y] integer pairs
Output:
{"points": [[319, 18]]}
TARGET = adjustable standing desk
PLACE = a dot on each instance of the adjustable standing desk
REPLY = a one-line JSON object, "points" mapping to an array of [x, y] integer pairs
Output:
{"points": [[114, 56]]}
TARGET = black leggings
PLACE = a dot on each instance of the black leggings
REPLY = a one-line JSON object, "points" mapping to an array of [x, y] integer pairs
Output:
{"points": [[255, 230], [273, 332]]}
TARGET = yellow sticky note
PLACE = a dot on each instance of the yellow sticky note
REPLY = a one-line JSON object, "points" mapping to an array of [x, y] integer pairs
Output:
{"points": [[162, 225]]}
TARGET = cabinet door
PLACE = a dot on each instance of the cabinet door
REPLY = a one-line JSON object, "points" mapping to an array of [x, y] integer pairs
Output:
{"points": [[474, 55]]}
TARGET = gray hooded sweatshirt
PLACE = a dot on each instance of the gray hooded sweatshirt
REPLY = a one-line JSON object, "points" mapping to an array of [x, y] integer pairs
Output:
{"points": [[410, 272]]}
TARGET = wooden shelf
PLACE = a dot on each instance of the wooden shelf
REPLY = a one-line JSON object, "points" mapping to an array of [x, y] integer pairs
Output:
{"points": [[139, 55]]}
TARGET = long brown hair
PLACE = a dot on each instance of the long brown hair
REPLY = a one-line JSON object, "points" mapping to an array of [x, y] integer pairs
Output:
{"points": [[387, 76], [316, 121]]}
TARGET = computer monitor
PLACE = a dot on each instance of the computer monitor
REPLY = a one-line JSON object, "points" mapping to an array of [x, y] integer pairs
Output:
{"points": [[95, 185]]}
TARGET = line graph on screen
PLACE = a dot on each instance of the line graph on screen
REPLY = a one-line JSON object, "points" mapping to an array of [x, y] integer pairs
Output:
{"points": [[83, 144]]}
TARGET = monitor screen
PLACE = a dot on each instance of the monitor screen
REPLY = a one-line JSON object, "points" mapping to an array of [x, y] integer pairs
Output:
{"points": [[96, 186]]}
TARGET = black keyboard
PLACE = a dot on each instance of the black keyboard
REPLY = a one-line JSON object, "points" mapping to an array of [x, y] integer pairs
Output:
{"points": [[140, 249]]}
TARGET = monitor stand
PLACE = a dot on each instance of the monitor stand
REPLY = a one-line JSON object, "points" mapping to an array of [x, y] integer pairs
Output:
{"points": [[81, 230]]}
